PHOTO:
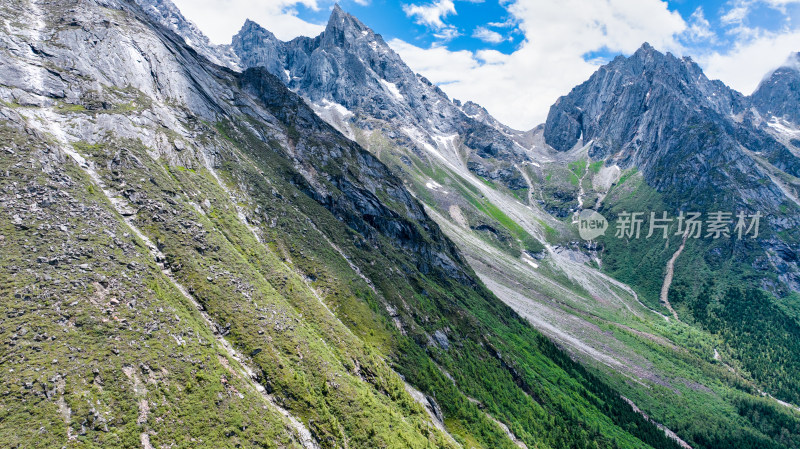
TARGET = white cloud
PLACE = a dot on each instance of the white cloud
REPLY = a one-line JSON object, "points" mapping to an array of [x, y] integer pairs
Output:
{"points": [[740, 9], [736, 14], [699, 27], [756, 51], [506, 24], [747, 63], [487, 35], [446, 34], [519, 88], [221, 19], [431, 14]]}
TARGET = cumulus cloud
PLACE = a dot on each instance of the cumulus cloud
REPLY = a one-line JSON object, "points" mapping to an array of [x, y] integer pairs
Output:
{"points": [[487, 35], [520, 87], [699, 27], [220, 20], [749, 62], [431, 14]]}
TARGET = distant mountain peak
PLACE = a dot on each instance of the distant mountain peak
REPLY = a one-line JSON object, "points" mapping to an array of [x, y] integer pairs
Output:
{"points": [[793, 62], [778, 95], [624, 90], [168, 15], [342, 21], [646, 48]]}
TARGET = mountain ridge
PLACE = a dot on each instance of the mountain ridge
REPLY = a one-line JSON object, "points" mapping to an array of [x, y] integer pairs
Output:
{"points": [[194, 258], [675, 140]]}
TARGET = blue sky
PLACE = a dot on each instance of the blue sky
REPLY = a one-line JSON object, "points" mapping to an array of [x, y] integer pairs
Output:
{"points": [[516, 57], [389, 18], [392, 19]]}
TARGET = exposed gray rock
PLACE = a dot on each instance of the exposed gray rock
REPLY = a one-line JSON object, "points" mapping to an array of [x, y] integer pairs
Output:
{"points": [[696, 141], [351, 66], [167, 14], [779, 94]]}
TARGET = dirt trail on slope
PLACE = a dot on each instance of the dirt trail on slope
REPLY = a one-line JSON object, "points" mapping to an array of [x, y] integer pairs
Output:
{"points": [[664, 297]]}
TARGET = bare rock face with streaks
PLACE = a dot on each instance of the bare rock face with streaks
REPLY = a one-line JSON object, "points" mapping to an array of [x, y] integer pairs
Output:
{"points": [[778, 95], [699, 143], [349, 69]]}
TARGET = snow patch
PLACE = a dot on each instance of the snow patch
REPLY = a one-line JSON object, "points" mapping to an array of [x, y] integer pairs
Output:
{"points": [[418, 138], [392, 88], [435, 186], [781, 127], [531, 263], [341, 110]]}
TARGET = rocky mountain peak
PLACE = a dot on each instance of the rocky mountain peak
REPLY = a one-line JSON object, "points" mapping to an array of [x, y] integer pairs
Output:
{"points": [[352, 77], [169, 16], [657, 66], [778, 95], [646, 50], [628, 87], [343, 29], [250, 26], [341, 19], [266, 49]]}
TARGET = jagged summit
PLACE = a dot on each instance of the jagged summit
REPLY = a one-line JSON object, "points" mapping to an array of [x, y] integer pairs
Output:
{"points": [[341, 19], [342, 29], [352, 75], [778, 94], [646, 49], [167, 14], [647, 59], [628, 87]]}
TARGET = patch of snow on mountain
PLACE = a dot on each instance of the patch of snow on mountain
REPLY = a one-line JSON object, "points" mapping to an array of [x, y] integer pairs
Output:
{"points": [[781, 127], [392, 88]]}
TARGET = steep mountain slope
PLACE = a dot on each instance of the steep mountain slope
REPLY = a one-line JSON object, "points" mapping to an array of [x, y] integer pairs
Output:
{"points": [[520, 241], [349, 72], [679, 142], [193, 258], [779, 94], [694, 141], [167, 14]]}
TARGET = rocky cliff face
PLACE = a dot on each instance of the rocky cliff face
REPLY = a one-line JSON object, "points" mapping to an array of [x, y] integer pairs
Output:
{"points": [[352, 73], [778, 95], [351, 179], [192, 257], [165, 13], [694, 140]]}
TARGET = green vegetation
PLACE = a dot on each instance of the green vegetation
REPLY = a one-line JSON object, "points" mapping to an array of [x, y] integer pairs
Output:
{"points": [[473, 322], [116, 352], [715, 290]]}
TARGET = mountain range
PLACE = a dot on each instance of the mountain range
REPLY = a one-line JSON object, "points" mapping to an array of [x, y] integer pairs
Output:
{"points": [[307, 244]]}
